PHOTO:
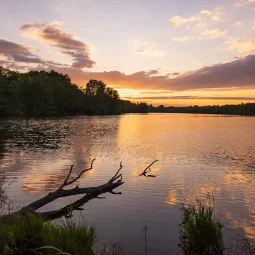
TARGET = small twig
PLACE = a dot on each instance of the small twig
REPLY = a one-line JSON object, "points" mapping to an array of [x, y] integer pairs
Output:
{"points": [[151, 175], [116, 176], [68, 176], [147, 169]]}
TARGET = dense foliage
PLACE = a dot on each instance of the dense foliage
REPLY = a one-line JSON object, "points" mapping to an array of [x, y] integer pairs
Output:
{"points": [[42, 93], [240, 109]]}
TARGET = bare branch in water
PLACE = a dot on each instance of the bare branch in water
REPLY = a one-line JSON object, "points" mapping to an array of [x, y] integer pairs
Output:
{"points": [[108, 187], [147, 169], [66, 182], [88, 192]]}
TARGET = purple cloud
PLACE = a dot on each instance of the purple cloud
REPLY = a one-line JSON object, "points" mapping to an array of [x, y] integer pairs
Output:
{"points": [[17, 52], [70, 46]]}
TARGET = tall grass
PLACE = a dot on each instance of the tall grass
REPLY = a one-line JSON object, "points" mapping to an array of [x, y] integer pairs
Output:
{"points": [[21, 235], [32, 235], [70, 237], [200, 231], [3, 192]]}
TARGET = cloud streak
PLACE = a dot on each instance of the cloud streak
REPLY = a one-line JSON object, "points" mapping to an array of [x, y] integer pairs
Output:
{"points": [[17, 52], [205, 35], [236, 74], [214, 15], [213, 33], [181, 38], [244, 2], [148, 49], [191, 97], [13, 53], [67, 43], [178, 20]]}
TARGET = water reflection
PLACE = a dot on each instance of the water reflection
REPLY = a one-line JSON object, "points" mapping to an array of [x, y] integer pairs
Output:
{"points": [[197, 154], [41, 151]]}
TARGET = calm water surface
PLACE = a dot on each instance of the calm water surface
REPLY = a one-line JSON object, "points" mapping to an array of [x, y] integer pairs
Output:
{"points": [[197, 154]]}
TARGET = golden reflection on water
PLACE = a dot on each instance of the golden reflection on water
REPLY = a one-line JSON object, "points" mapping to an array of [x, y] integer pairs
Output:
{"points": [[240, 187], [38, 180], [171, 199]]}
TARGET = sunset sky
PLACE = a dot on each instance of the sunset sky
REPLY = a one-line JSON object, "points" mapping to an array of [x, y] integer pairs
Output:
{"points": [[171, 52]]}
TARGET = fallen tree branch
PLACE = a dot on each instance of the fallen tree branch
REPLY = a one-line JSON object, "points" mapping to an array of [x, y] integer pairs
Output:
{"points": [[89, 194], [65, 211], [60, 192]]}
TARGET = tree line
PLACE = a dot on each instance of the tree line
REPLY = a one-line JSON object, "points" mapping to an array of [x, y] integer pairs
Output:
{"points": [[239, 109], [49, 93]]}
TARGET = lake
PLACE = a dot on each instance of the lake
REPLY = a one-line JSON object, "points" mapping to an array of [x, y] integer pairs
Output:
{"points": [[197, 154]]}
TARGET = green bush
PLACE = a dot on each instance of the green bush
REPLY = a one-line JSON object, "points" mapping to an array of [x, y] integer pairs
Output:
{"points": [[200, 231]]}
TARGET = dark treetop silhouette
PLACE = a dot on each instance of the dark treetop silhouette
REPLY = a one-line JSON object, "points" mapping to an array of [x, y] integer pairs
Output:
{"points": [[239, 109], [42, 93]]}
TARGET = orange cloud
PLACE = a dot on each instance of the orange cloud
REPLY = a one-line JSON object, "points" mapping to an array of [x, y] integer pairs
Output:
{"points": [[213, 33], [148, 49], [241, 45], [178, 20], [238, 23], [244, 2], [181, 38], [214, 15]]}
